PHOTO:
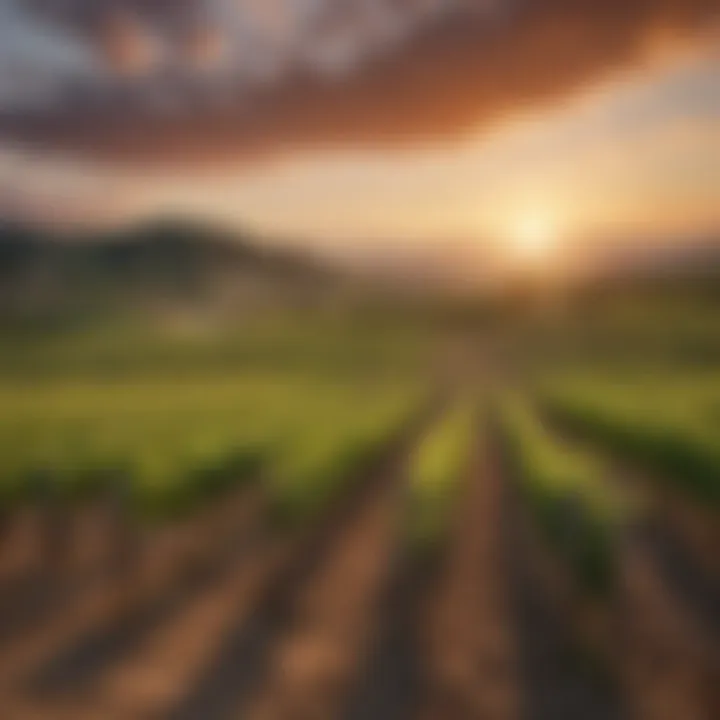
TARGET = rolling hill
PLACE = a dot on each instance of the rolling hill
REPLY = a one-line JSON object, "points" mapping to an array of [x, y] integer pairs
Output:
{"points": [[163, 265]]}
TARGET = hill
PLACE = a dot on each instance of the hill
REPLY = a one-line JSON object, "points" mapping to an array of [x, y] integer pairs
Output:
{"points": [[165, 265]]}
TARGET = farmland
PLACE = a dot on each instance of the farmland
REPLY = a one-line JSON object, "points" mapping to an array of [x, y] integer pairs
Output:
{"points": [[332, 516]]}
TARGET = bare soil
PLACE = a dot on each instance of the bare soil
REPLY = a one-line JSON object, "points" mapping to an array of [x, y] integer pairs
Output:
{"points": [[223, 616], [468, 644]]}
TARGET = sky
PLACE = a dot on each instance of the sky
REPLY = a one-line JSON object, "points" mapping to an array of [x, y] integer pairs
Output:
{"points": [[358, 126]]}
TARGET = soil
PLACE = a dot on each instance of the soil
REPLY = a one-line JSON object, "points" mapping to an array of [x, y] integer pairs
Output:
{"points": [[225, 616]]}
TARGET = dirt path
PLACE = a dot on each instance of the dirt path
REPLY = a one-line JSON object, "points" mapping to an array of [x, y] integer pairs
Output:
{"points": [[75, 643], [154, 679], [698, 590], [467, 638], [205, 563], [666, 662], [33, 579], [331, 616], [389, 676], [558, 683], [667, 658]]}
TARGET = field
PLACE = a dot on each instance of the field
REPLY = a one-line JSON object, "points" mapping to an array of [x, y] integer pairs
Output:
{"points": [[372, 516]]}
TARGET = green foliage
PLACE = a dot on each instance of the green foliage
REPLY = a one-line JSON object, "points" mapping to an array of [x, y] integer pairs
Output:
{"points": [[672, 430], [567, 494], [437, 469], [177, 442], [331, 450]]}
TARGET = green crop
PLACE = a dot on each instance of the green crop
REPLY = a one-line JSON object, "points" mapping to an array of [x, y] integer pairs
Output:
{"points": [[437, 469], [176, 442], [566, 492], [673, 434], [331, 450]]}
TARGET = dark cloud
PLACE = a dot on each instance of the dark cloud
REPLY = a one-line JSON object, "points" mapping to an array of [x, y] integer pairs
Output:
{"points": [[454, 71]]}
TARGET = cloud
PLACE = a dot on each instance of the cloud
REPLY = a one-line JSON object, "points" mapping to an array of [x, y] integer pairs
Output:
{"points": [[284, 75], [127, 47]]}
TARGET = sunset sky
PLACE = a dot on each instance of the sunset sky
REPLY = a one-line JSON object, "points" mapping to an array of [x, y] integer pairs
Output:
{"points": [[354, 124]]}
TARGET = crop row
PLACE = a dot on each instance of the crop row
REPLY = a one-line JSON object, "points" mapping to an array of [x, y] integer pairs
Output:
{"points": [[437, 470], [169, 446], [566, 492], [676, 436]]}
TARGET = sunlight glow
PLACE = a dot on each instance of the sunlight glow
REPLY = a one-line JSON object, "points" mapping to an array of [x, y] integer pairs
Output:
{"points": [[534, 239]]}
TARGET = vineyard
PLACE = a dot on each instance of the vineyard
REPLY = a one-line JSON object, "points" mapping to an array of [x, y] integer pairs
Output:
{"points": [[303, 534]]}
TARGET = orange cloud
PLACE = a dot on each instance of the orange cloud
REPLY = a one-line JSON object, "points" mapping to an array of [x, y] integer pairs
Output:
{"points": [[128, 48], [459, 72]]}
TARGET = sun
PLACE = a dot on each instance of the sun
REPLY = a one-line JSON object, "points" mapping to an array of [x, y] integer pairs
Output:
{"points": [[534, 238]]}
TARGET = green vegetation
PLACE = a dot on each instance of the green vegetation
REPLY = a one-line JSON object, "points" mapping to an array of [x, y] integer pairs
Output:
{"points": [[160, 438], [437, 469], [178, 411], [331, 450], [566, 492], [175, 442], [178, 393], [669, 428]]}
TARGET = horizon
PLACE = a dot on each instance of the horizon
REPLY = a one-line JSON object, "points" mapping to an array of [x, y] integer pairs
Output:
{"points": [[456, 265]]}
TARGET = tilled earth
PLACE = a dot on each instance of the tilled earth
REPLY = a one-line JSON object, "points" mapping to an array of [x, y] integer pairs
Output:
{"points": [[224, 616]]}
